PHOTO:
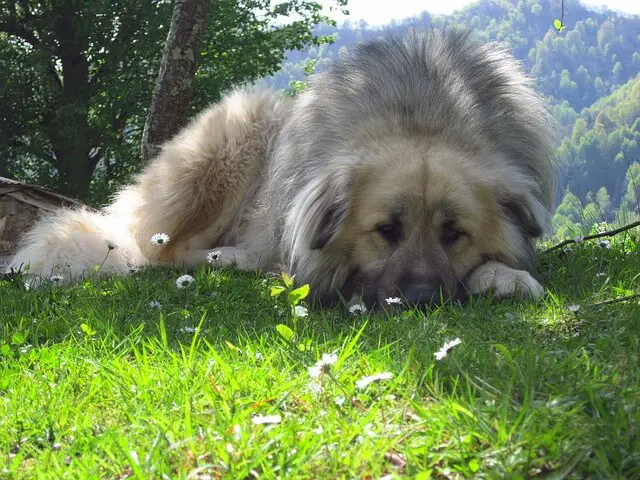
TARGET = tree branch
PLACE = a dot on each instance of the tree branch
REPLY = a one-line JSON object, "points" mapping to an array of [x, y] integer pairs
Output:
{"points": [[170, 103], [24, 146], [13, 28], [608, 233], [626, 298]]}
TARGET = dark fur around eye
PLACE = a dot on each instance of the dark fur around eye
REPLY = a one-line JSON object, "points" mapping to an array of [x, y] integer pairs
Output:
{"points": [[391, 232], [450, 233]]}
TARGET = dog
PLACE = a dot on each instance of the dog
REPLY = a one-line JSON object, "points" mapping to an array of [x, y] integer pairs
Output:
{"points": [[416, 167]]}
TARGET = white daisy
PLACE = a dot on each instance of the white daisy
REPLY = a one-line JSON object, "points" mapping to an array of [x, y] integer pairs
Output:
{"points": [[440, 354], [154, 304], [328, 359], [111, 245], [357, 309], [266, 419], [604, 244], [323, 365], [368, 430], [160, 239], [188, 330], [314, 387], [300, 311], [364, 382], [579, 239], [339, 400], [393, 301], [573, 308], [213, 256], [184, 281]]}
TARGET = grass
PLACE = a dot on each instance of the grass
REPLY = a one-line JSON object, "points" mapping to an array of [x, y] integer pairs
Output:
{"points": [[96, 383]]}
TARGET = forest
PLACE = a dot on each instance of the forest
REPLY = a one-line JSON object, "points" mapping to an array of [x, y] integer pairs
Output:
{"points": [[76, 80]]}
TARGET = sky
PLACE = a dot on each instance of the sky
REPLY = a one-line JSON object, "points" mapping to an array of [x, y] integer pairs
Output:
{"points": [[379, 12]]}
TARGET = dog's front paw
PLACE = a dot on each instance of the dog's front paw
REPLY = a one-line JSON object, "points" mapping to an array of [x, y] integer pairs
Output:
{"points": [[503, 281]]}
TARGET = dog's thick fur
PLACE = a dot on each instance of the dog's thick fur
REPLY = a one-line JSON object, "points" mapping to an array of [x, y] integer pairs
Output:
{"points": [[417, 168]]}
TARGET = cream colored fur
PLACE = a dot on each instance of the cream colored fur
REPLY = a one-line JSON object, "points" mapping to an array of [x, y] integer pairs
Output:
{"points": [[503, 281], [198, 191]]}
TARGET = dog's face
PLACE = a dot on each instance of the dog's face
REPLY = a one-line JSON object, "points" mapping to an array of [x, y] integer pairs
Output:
{"points": [[421, 219]]}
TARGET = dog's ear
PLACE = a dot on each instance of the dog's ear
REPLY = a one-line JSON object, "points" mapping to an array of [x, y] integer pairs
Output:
{"points": [[522, 200], [521, 215], [526, 211], [328, 225], [323, 210]]}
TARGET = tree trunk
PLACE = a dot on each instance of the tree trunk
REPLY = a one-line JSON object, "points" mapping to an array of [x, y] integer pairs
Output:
{"points": [[170, 104], [21, 205], [68, 129]]}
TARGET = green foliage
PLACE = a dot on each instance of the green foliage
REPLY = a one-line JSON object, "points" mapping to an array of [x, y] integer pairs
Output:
{"points": [[293, 296], [297, 86], [91, 65], [630, 205], [568, 219], [604, 142], [76, 79]]}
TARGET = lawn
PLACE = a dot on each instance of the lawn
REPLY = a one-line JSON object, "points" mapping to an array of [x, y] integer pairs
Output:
{"points": [[136, 378]]}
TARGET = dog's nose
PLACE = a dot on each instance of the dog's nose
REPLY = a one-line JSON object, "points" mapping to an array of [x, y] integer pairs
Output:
{"points": [[423, 293]]}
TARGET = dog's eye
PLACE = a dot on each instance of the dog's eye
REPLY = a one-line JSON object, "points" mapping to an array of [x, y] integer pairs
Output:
{"points": [[391, 232], [450, 233]]}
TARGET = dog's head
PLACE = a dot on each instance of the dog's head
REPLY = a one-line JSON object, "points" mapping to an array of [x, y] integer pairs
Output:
{"points": [[412, 219]]}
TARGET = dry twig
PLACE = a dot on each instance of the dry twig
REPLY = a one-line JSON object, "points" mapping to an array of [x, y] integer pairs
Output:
{"points": [[608, 233]]}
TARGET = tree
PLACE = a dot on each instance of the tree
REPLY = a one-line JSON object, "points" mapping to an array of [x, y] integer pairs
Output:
{"points": [[567, 220], [170, 105], [77, 72], [77, 78], [247, 39], [603, 200], [606, 34], [570, 207], [630, 205]]}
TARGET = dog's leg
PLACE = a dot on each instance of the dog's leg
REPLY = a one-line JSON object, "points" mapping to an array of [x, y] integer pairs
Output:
{"points": [[503, 281], [203, 180]]}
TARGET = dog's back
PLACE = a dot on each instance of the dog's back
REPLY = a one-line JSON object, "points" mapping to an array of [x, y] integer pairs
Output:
{"points": [[196, 191]]}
